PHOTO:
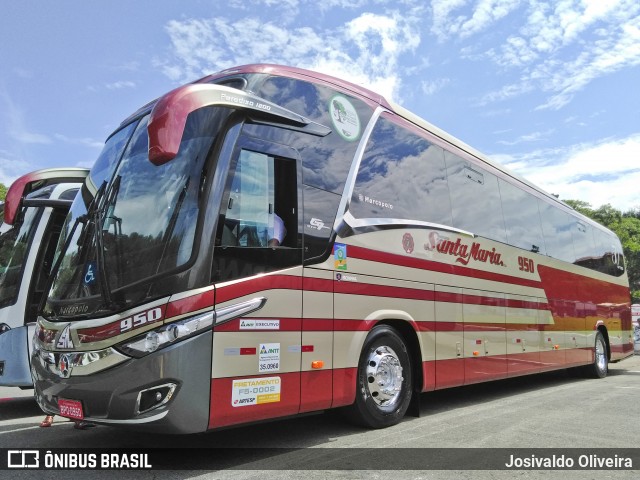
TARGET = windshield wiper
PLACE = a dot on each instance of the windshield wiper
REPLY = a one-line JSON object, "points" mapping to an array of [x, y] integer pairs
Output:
{"points": [[98, 220], [172, 221]]}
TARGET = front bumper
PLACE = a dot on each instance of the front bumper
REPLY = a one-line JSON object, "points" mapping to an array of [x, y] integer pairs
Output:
{"points": [[113, 396]]}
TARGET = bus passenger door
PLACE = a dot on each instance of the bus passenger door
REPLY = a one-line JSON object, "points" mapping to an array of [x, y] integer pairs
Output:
{"points": [[257, 270]]}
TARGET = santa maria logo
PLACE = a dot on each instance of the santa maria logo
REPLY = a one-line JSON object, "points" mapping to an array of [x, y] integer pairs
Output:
{"points": [[463, 252], [345, 118]]}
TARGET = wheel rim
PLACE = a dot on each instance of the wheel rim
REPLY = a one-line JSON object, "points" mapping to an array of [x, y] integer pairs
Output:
{"points": [[601, 355], [384, 376]]}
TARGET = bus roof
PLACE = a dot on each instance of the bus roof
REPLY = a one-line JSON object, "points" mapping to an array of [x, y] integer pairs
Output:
{"points": [[34, 180]]}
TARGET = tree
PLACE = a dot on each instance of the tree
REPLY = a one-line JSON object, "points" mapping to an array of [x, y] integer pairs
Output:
{"points": [[3, 192]]}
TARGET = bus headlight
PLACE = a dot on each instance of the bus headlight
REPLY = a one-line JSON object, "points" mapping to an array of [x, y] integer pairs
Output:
{"points": [[167, 335]]}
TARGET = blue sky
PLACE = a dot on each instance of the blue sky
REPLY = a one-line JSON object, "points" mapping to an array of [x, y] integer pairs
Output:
{"points": [[548, 88]]}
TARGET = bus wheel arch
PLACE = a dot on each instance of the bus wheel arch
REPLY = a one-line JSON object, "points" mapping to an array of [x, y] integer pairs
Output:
{"points": [[385, 377]]}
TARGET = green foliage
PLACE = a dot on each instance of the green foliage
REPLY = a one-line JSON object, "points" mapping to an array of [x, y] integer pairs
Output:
{"points": [[627, 226], [3, 192]]}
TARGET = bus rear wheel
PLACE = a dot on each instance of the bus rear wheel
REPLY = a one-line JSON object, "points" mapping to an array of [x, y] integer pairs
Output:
{"points": [[384, 383], [600, 366]]}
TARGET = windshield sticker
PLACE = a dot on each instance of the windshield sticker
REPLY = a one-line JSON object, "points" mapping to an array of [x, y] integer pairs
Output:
{"points": [[269, 357], [340, 256], [255, 391], [90, 274], [345, 118]]}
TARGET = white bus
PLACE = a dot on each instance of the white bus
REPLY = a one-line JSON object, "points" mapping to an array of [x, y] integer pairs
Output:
{"points": [[410, 263], [36, 206]]}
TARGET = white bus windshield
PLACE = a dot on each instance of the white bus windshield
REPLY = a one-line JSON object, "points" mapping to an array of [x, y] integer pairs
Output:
{"points": [[14, 248]]}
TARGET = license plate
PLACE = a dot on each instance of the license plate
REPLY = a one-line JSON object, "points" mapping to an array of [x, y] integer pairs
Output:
{"points": [[70, 408]]}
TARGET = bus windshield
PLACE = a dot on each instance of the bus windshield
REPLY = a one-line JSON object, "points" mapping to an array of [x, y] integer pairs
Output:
{"points": [[14, 248], [136, 226]]}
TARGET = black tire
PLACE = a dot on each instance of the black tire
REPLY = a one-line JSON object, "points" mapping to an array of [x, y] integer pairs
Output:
{"points": [[600, 366], [384, 382]]}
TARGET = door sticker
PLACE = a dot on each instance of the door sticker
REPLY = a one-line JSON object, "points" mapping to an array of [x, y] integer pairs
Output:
{"points": [[255, 391], [269, 357], [340, 256]]}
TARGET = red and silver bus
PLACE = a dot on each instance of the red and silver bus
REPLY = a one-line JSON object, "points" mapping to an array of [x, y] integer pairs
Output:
{"points": [[410, 263], [36, 206]]}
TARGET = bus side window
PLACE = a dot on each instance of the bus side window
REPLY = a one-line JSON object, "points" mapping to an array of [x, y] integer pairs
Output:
{"points": [[556, 227], [475, 198], [402, 175], [521, 218], [258, 221], [258, 213]]}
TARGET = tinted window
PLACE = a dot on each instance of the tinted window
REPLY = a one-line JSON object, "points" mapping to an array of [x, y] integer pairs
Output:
{"points": [[258, 227], [557, 226], [320, 209], [401, 176], [475, 199], [608, 253], [14, 250], [583, 244], [325, 160], [521, 218]]}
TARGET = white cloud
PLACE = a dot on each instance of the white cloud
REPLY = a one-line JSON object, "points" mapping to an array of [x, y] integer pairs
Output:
{"points": [[565, 45], [15, 125], [486, 13], [119, 85], [365, 50], [433, 86], [599, 173], [530, 137], [87, 142]]}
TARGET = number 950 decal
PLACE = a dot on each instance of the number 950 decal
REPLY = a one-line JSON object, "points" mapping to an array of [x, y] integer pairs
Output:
{"points": [[526, 265], [140, 319]]}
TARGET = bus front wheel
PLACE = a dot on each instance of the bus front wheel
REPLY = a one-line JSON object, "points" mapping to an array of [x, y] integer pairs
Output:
{"points": [[384, 383]]}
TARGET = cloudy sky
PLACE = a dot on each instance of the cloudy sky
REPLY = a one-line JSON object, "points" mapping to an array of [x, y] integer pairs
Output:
{"points": [[549, 88]]}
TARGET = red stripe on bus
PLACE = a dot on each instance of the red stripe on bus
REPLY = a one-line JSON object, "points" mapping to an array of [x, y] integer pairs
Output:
{"points": [[317, 284], [356, 325], [190, 304], [422, 264], [560, 284], [368, 289], [317, 324], [286, 325], [257, 284]]}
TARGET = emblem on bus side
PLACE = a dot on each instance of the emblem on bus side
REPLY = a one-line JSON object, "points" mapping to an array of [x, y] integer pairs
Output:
{"points": [[407, 243]]}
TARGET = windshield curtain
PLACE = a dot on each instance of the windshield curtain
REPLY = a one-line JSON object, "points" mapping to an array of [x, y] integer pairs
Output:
{"points": [[14, 250], [140, 224]]}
